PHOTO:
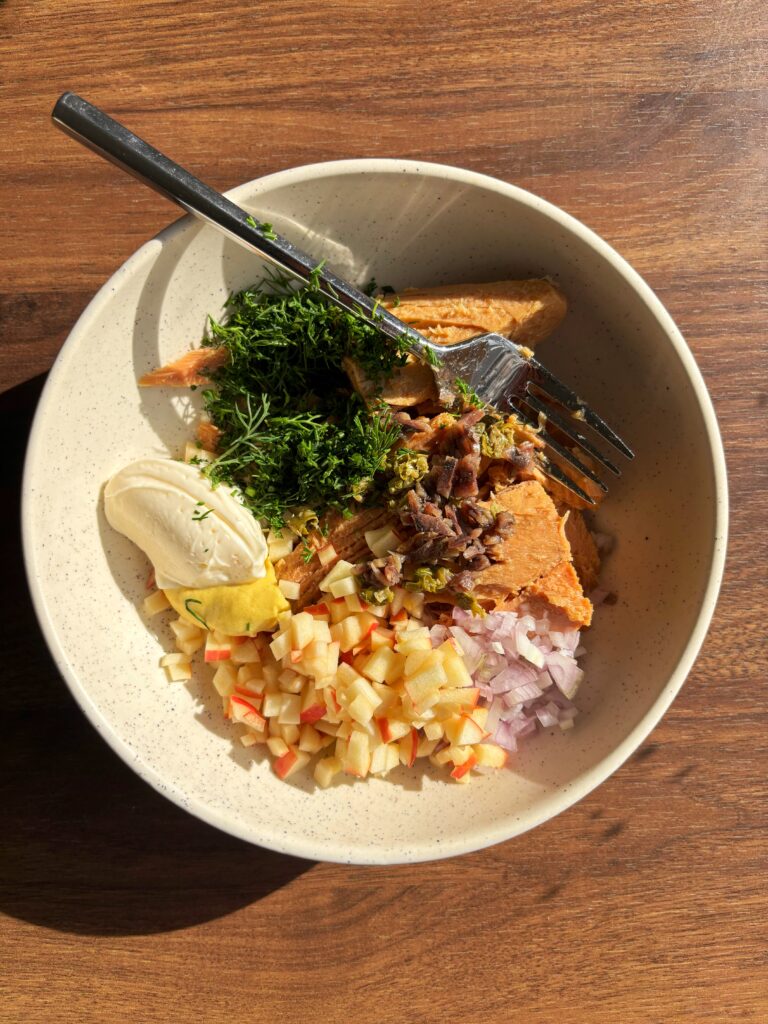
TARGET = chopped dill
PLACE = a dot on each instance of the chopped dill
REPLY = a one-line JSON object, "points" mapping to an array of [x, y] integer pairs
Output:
{"points": [[264, 227], [293, 433], [466, 392], [187, 603]]}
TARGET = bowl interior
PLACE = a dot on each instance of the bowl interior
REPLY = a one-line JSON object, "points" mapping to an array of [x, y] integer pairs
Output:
{"points": [[405, 224]]}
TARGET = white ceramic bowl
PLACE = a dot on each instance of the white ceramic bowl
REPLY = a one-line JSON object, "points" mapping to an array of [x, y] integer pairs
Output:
{"points": [[407, 224]]}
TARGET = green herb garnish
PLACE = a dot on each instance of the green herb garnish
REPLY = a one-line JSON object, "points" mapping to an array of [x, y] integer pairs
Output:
{"points": [[264, 227], [187, 603], [199, 516], [466, 392], [293, 435], [430, 579]]}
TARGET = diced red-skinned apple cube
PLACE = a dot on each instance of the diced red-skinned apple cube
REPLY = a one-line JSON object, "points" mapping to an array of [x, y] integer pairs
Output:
{"points": [[280, 543], [490, 755], [396, 608], [250, 678], [321, 630], [155, 603], [327, 728], [216, 650], [277, 746], [290, 762], [184, 630], [441, 757], [249, 738], [461, 730], [281, 646], [464, 697], [270, 673], [274, 727], [245, 711], [326, 554], [461, 770], [344, 730], [384, 665], [479, 715], [388, 696], [408, 747], [325, 770], [381, 541], [331, 660], [379, 759], [358, 755]]}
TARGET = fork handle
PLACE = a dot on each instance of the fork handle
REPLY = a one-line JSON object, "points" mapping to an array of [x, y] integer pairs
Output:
{"points": [[111, 140]]}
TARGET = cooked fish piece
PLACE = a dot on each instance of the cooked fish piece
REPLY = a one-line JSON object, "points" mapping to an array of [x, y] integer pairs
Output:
{"points": [[191, 369], [536, 556], [525, 311]]}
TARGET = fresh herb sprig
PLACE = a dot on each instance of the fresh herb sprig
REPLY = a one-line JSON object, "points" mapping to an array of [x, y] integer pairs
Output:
{"points": [[292, 433]]}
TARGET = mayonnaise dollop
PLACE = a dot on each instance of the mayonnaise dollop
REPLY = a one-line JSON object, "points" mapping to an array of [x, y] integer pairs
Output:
{"points": [[194, 535]]}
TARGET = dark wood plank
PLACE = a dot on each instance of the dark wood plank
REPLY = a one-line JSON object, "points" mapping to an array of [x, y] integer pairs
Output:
{"points": [[647, 901]]}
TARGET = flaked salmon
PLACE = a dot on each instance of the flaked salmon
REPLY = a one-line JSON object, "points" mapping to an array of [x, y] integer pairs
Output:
{"points": [[193, 368], [535, 559], [525, 311]]}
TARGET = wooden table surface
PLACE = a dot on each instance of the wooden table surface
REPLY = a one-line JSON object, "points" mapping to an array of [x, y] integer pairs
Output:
{"points": [[647, 901]]}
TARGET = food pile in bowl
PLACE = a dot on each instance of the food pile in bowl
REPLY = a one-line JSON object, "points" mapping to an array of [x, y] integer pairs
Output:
{"points": [[371, 576]]}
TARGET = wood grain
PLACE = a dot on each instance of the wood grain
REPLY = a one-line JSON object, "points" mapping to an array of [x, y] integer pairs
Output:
{"points": [[647, 901]]}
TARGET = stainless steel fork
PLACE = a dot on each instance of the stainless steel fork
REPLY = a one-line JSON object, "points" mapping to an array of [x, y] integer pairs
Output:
{"points": [[501, 373]]}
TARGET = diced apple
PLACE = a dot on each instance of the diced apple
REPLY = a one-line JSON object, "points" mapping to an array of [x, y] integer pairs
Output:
{"points": [[281, 645], [433, 730], [179, 672], [397, 609], [358, 755], [341, 570], [463, 731], [343, 587], [465, 696], [216, 650], [408, 747], [461, 769], [245, 711], [245, 653], [272, 704], [322, 633], [302, 631], [280, 543], [360, 710], [290, 733], [290, 589], [379, 759], [290, 709], [415, 660], [424, 688], [155, 603], [310, 740], [459, 754], [277, 746], [174, 659], [410, 640], [382, 541], [290, 681], [249, 676], [326, 728], [381, 637], [248, 739], [325, 770], [441, 757], [290, 762], [457, 672], [479, 715], [339, 610], [225, 679], [490, 755], [384, 665], [326, 554], [388, 696], [331, 660], [355, 603]]}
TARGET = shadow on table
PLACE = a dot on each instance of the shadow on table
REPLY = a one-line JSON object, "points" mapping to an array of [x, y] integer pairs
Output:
{"points": [[86, 846]]}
